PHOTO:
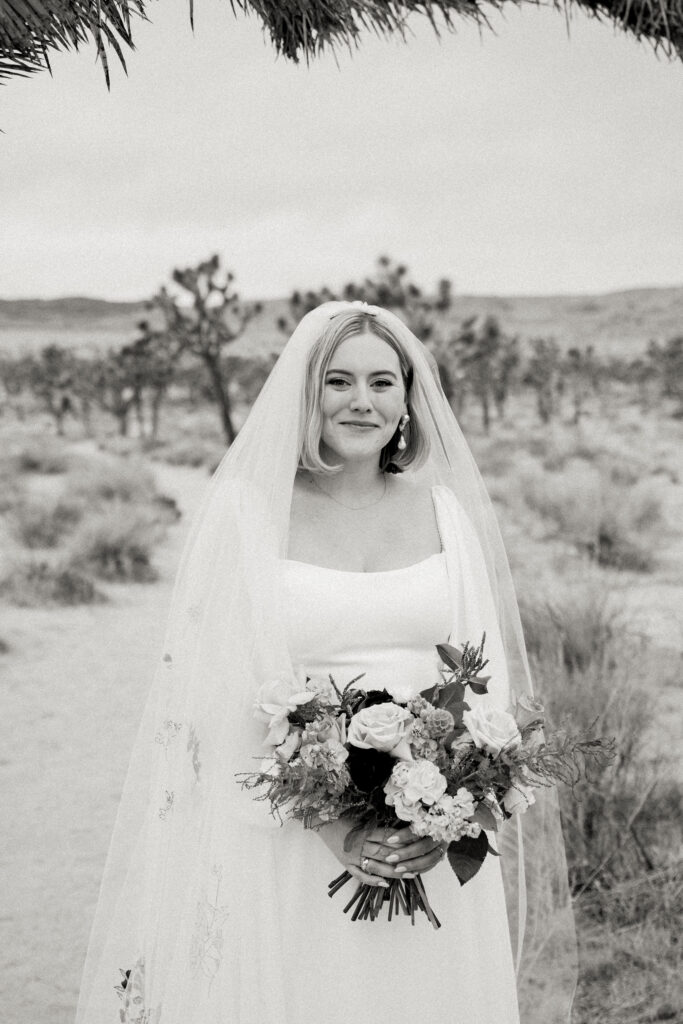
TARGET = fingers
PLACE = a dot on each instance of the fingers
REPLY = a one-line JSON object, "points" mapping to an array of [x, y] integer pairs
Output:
{"points": [[364, 876], [420, 864], [392, 837], [398, 854]]}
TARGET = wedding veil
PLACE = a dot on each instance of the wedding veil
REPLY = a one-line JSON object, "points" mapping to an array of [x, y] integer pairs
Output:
{"points": [[167, 886]]}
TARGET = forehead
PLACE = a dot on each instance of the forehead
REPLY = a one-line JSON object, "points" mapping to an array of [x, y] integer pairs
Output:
{"points": [[365, 353]]}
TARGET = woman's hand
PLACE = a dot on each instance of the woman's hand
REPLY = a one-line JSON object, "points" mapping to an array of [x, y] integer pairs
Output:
{"points": [[379, 855]]}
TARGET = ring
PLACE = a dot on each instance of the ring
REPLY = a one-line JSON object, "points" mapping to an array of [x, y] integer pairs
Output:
{"points": [[364, 863]]}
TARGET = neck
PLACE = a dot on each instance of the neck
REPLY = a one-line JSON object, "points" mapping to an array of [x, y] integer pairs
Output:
{"points": [[357, 482]]}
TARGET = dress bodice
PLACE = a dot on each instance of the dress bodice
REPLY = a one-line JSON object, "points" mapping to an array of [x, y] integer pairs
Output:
{"points": [[383, 624]]}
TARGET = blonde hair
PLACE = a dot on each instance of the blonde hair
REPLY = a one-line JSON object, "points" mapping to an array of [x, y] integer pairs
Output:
{"points": [[340, 327]]}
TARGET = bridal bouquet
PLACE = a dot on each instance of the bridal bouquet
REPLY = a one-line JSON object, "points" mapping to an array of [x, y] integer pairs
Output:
{"points": [[434, 764]]}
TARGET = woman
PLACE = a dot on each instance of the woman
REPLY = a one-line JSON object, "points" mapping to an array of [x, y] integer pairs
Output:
{"points": [[346, 531]]}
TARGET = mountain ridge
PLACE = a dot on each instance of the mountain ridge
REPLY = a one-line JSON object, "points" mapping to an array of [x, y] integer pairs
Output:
{"points": [[617, 322]]}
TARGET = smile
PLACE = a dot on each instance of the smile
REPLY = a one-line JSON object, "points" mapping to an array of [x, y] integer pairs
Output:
{"points": [[362, 426]]}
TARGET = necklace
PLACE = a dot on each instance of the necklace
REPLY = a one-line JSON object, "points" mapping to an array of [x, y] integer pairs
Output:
{"points": [[352, 508]]}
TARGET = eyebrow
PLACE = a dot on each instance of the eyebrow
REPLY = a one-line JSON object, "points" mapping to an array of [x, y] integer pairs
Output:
{"points": [[374, 373]]}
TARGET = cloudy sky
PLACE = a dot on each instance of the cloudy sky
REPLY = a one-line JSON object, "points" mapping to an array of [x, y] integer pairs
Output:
{"points": [[524, 161]]}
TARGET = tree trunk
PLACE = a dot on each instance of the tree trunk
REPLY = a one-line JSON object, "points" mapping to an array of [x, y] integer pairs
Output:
{"points": [[220, 390], [486, 411], [157, 399]]}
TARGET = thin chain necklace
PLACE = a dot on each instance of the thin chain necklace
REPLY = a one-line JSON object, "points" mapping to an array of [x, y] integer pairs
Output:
{"points": [[352, 508]]}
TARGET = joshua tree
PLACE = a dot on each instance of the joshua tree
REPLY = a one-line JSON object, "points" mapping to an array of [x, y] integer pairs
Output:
{"points": [[543, 375], [15, 376], [113, 386], [582, 371], [203, 320], [666, 362], [299, 28], [484, 360], [392, 287], [51, 379], [151, 361]]}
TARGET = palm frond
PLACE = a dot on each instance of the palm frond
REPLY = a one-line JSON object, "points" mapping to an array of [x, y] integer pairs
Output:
{"points": [[29, 29], [298, 29], [304, 28]]}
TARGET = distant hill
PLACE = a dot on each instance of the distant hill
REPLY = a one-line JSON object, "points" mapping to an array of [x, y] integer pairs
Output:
{"points": [[616, 322]]}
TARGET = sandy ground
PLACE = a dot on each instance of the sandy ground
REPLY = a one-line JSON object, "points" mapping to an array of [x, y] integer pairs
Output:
{"points": [[73, 685]]}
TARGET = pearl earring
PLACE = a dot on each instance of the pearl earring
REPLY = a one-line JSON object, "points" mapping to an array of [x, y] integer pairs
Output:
{"points": [[402, 444]]}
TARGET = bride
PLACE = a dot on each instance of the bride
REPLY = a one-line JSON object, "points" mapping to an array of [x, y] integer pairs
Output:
{"points": [[347, 531]]}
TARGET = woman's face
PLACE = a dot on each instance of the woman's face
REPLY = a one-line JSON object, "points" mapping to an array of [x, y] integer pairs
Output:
{"points": [[363, 399]]}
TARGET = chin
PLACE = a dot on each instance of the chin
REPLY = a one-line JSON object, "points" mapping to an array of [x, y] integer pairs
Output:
{"points": [[354, 452]]}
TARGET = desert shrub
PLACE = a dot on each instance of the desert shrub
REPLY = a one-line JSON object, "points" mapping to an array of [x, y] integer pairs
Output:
{"points": [[595, 674], [44, 524], [12, 488], [630, 952], [116, 545], [610, 523], [191, 451], [109, 479], [42, 455], [35, 583]]}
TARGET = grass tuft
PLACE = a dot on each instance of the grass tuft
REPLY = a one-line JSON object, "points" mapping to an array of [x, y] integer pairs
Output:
{"points": [[44, 525], [612, 524], [42, 455], [116, 545], [105, 479], [38, 583]]}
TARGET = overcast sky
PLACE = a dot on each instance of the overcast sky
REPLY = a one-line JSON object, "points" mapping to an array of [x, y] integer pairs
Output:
{"points": [[520, 162]]}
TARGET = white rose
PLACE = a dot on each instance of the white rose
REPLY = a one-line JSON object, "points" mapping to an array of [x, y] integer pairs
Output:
{"points": [[325, 728], [274, 701], [492, 729], [425, 782], [289, 746], [383, 727], [519, 798], [528, 710], [412, 785]]}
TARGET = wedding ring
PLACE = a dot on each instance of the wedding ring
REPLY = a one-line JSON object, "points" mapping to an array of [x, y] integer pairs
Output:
{"points": [[364, 863]]}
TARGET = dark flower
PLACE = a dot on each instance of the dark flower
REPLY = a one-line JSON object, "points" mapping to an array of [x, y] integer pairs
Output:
{"points": [[369, 768], [375, 697]]}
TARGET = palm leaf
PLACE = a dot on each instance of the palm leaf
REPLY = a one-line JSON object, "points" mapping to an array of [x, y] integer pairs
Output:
{"points": [[298, 29], [30, 29]]}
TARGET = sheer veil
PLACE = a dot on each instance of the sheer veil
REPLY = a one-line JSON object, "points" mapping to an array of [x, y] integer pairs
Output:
{"points": [[169, 881]]}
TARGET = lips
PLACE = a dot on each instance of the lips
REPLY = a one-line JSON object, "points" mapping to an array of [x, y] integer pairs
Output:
{"points": [[356, 423]]}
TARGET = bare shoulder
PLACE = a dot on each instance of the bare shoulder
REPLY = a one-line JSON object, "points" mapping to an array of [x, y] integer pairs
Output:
{"points": [[411, 494]]}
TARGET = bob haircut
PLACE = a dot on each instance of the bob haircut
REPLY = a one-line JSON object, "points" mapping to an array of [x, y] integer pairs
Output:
{"points": [[340, 327]]}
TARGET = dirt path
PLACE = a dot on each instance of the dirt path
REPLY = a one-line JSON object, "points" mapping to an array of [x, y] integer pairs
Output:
{"points": [[73, 684]]}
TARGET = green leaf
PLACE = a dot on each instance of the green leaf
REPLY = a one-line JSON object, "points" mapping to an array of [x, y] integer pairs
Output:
{"points": [[467, 855], [479, 685], [485, 817], [456, 708], [451, 693], [450, 655]]}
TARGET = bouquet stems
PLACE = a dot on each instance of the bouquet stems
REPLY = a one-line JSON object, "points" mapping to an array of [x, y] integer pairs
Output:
{"points": [[404, 895]]}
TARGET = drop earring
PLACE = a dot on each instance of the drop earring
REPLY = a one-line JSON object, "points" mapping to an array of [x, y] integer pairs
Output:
{"points": [[402, 443]]}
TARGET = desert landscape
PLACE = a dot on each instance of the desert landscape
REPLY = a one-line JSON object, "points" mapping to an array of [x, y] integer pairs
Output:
{"points": [[573, 407]]}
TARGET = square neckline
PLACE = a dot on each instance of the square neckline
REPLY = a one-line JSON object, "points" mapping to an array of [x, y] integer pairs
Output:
{"points": [[364, 572], [382, 572]]}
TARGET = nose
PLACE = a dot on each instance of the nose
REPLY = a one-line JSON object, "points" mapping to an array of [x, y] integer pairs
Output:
{"points": [[359, 399]]}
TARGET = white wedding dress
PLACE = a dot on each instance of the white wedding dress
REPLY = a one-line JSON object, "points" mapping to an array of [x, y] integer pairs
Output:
{"points": [[337, 971]]}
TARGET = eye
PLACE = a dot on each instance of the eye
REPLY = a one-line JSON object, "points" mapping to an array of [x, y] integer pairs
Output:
{"points": [[382, 384], [337, 382]]}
